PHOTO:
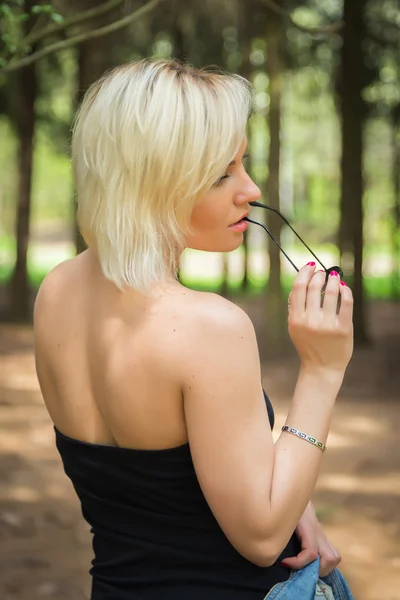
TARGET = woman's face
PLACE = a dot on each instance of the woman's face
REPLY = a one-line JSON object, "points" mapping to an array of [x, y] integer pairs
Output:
{"points": [[225, 204]]}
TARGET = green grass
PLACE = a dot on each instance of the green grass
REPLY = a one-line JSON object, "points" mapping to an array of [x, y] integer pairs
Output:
{"points": [[376, 288], [36, 275]]}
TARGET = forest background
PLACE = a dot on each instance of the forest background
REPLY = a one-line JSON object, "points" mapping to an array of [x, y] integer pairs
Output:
{"points": [[324, 143]]}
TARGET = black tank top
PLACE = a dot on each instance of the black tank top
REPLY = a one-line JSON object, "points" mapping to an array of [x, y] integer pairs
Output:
{"points": [[154, 535]]}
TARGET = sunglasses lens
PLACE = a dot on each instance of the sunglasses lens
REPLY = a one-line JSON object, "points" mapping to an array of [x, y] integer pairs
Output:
{"points": [[337, 269], [328, 272]]}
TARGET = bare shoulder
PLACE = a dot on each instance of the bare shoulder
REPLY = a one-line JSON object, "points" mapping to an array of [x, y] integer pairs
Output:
{"points": [[54, 287], [218, 335], [208, 312]]}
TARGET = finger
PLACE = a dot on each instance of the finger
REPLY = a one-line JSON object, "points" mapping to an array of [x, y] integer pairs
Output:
{"points": [[331, 294], [299, 289], [313, 300], [330, 559], [304, 558], [346, 308], [326, 567]]}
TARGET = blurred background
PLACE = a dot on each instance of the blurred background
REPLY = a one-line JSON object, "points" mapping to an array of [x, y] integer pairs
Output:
{"points": [[324, 144]]}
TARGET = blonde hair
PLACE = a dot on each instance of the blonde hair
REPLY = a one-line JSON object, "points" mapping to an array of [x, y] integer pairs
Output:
{"points": [[149, 139]]}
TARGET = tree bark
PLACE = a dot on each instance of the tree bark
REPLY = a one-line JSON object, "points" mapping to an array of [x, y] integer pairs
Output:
{"points": [[224, 287], [95, 56], [110, 28], [353, 116], [83, 53], [19, 305], [245, 33], [396, 204], [277, 307], [180, 30]]}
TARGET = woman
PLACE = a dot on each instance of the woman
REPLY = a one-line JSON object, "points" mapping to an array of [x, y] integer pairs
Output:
{"points": [[154, 389]]}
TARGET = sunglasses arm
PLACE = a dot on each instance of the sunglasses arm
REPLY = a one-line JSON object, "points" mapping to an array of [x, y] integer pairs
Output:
{"points": [[289, 225], [273, 239]]}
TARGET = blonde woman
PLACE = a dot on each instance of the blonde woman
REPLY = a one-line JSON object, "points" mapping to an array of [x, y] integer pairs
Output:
{"points": [[154, 389]]}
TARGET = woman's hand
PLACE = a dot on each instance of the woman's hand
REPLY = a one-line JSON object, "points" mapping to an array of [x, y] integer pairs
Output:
{"points": [[313, 542], [322, 337]]}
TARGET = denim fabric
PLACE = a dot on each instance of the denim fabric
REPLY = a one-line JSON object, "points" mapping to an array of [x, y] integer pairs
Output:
{"points": [[305, 584]]}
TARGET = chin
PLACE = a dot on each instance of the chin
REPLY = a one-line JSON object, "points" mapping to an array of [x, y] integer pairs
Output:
{"points": [[219, 245], [233, 245]]}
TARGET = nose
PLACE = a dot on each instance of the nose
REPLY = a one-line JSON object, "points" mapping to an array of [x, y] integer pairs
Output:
{"points": [[250, 192]]}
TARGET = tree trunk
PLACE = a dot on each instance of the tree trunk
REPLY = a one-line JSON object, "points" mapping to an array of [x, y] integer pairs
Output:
{"points": [[277, 307], [179, 36], [94, 58], [80, 245], [245, 34], [396, 204], [224, 287], [19, 307], [353, 115]]}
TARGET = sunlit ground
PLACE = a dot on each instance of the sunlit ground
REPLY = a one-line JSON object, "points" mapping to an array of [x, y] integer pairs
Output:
{"points": [[45, 548]]}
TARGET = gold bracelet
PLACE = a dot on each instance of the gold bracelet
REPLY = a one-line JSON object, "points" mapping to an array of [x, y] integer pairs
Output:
{"points": [[304, 436]]}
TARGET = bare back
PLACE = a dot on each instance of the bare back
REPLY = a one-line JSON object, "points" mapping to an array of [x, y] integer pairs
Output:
{"points": [[109, 363], [126, 370]]}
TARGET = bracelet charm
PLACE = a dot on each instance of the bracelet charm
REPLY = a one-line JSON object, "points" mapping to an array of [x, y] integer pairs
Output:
{"points": [[304, 436]]}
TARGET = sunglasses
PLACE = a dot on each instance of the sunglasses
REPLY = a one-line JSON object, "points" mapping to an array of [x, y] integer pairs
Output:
{"points": [[327, 270]]}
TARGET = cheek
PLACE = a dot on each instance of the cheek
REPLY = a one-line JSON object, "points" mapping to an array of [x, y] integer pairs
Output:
{"points": [[209, 228], [208, 214]]}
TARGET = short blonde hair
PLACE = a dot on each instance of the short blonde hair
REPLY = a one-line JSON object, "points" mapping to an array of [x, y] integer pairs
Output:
{"points": [[149, 139]]}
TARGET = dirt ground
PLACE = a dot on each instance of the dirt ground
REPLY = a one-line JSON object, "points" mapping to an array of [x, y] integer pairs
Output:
{"points": [[45, 547]]}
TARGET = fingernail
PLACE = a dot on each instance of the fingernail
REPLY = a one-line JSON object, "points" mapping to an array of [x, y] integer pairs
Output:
{"points": [[343, 283], [334, 274], [310, 264]]}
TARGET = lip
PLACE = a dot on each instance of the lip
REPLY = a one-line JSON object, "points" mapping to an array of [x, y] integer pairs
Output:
{"points": [[241, 226], [241, 219]]}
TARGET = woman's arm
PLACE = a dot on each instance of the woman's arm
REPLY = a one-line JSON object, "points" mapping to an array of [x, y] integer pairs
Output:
{"points": [[257, 491]]}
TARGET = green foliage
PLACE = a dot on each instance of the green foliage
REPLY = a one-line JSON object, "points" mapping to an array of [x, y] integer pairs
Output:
{"points": [[310, 127], [14, 34], [11, 17], [46, 9], [376, 288]]}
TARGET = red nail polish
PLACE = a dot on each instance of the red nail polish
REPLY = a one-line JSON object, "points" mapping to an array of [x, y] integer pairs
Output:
{"points": [[310, 264], [334, 274], [343, 283]]}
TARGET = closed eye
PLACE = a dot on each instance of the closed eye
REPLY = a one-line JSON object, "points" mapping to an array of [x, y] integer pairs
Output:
{"points": [[226, 176], [220, 180]]}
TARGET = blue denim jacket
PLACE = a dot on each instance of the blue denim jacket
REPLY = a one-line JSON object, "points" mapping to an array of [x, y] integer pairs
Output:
{"points": [[305, 584]]}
